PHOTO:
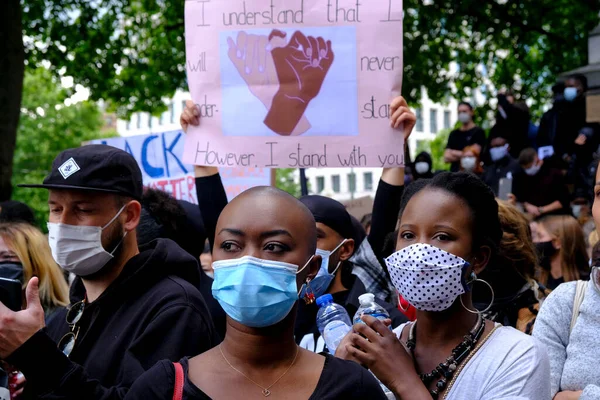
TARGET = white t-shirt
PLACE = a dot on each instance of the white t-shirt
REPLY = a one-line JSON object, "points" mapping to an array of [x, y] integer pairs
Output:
{"points": [[510, 365]]}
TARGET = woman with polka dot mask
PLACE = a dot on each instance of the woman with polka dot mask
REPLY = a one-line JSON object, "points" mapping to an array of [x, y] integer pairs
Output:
{"points": [[449, 231]]}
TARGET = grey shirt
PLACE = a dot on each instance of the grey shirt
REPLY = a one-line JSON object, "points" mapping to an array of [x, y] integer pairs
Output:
{"points": [[573, 357]]}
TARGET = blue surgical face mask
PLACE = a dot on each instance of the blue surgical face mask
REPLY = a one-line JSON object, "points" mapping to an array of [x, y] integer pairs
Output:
{"points": [[570, 93], [254, 292], [576, 210], [498, 153], [322, 281]]}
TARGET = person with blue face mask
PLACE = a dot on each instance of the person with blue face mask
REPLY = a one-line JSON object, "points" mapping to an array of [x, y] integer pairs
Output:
{"points": [[569, 133], [539, 187], [335, 245], [503, 165], [264, 254]]}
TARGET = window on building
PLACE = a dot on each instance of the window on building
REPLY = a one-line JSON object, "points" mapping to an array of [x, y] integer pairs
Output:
{"points": [[320, 184], [161, 119], [352, 182], [138, 123], [433, 126], [128, 124], [419, 125], [182, 105], [446, 119], [368, 179], [335, 183], [172, 112], [150, 121]]}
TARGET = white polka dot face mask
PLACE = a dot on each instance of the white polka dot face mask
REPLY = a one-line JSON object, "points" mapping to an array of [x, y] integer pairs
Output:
{"points": [[429, 278]]}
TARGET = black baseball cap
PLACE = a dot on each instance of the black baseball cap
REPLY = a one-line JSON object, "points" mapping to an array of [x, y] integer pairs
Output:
{"points": [[95, 167]]}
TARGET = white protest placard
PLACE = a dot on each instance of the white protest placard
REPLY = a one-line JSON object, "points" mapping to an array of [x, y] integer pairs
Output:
{"points": [[294, 83]]}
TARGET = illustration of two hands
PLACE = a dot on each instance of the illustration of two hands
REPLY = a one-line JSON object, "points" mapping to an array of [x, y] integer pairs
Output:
{"points": [[284, 77]]}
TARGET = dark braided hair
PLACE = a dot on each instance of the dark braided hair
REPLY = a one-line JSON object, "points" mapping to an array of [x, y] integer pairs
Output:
{"points": [[476, 194]]}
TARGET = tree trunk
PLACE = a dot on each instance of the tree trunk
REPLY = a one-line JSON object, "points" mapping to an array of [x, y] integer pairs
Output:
{"points": [[12, 68]]}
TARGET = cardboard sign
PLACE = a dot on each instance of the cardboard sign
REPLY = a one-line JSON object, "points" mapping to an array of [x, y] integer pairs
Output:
{"points": [[294, 83], [159, 156]]}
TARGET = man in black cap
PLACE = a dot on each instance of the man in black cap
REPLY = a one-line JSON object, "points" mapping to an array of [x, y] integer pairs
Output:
{"points": [[336, 238], [131, 307]]}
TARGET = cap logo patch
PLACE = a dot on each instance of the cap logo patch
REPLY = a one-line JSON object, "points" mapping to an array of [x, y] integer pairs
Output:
{"points": [[68, 168]]}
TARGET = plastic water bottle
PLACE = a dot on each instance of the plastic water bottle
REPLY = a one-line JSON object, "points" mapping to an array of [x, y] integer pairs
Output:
{"points": [[333, 322], [368, 306]]}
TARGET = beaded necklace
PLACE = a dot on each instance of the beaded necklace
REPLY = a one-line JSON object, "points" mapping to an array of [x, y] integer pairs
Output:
{"points": [[445, 370]]}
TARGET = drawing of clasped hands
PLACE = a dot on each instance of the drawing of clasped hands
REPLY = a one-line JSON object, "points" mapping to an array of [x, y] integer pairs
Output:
{"points": [[302, 66], [253, 58]]}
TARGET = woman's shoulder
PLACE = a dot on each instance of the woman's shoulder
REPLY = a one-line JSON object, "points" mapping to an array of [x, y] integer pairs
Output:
{"points": [[343, 379], [507, 352], [509, 338], [509, 345], [560, 300]]}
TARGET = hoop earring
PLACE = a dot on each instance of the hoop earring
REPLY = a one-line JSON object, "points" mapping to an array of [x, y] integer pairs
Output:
{"points": [[474, 279], [309, 295]]}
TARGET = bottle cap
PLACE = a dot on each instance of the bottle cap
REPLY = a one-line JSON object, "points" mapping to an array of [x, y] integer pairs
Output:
{"points": [[325, 299], [366, 298]]}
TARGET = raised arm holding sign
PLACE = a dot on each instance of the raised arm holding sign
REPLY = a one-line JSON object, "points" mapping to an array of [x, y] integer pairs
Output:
{"points": [[294, 83]]}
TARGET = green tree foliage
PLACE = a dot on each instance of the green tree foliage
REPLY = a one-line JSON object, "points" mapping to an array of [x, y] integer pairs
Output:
{"points": [[47, 127], [284, 180], [132, 51], [436, 148], [523, 44]]}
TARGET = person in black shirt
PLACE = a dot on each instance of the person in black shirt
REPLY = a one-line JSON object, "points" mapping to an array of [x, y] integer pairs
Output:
{"points": [[131, 306], [503, 164], [541, 189], [264, 254], [512, 119], [562, 250], [336, 236], [468, 134], [335, 243]]}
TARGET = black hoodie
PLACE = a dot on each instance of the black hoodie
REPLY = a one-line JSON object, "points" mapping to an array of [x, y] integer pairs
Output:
{"points": [[423, 157], [151, 312]]}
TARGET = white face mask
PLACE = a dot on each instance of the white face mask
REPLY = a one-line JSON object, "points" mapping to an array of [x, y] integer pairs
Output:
{"points": [[464, 117], [468, 163], [422, 167], [78, 249], [429, 278], [498, 153], [533, 170]]}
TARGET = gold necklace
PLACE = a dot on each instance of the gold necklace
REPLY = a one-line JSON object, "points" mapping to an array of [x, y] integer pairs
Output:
{"points": [[265, 390]]}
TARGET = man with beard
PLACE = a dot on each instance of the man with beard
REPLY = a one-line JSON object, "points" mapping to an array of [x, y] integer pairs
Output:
{"points": [[130, 307]]}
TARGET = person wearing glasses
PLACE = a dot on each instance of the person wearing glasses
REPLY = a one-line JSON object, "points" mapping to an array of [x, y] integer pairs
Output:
{"points": [[264, 255], [131, 307]]}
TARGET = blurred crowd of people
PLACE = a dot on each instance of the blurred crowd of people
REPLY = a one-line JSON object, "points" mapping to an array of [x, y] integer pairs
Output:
{"points": [[483, 273]]}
